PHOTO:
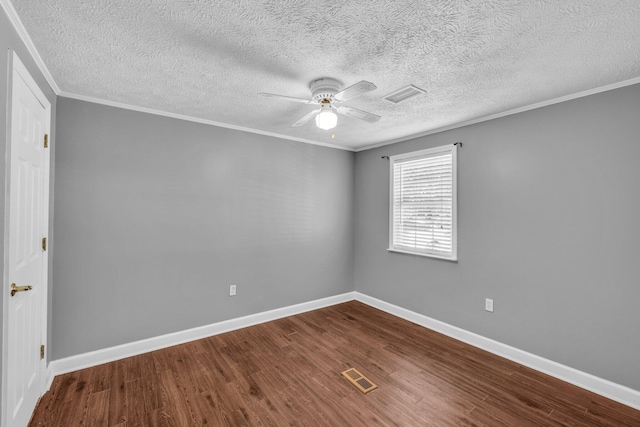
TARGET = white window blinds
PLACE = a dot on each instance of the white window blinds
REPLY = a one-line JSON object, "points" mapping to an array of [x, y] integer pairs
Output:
{"points": [[423, 203]]}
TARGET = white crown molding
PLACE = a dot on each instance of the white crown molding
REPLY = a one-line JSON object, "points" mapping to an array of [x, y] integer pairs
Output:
{"points": [[608, 389], [13, 17], [98, 357], [17, 24], [195, 119], [565, 98]]}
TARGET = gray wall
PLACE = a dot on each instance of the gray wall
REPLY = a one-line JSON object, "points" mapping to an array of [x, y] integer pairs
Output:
{"points": [[156, 217], [9, 40], [549, 211]]}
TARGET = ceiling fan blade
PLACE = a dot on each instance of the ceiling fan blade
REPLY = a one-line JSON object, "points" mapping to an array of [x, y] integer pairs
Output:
{"points": [[287, 98], [357, 89], [358, 114], [306, 118]]}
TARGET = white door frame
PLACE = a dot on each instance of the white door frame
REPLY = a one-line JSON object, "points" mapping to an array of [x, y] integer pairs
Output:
{"points": [[16, 66]]}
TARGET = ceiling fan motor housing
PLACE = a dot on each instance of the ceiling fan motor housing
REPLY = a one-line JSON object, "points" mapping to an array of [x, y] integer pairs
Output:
{"points": [[324, 88]]}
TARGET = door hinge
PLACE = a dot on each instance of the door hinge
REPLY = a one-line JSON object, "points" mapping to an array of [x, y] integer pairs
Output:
{"points": [[46, 141], [44, 243], [42, 351]]}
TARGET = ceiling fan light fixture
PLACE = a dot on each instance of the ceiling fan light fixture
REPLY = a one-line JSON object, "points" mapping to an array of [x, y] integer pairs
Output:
{"points": [[326, 119], [324, 92]]}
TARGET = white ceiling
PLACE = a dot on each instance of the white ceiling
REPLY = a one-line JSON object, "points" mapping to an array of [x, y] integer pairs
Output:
{"points": [[208, 60]]}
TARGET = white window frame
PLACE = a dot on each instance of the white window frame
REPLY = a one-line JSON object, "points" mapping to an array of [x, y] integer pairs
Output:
{"points": [[452, 148]]}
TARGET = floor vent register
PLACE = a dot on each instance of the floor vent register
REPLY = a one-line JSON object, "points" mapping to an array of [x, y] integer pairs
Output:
{"points": [[361, 382]]}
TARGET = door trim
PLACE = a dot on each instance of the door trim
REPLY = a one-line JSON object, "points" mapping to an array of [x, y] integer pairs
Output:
{"points": [[15, 67]]}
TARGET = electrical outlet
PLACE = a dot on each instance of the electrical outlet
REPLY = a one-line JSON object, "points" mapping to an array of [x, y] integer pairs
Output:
{"points": [[488, 304], [232, 290]]}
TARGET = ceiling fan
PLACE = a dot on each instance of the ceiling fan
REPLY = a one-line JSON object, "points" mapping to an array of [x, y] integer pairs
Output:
{"points": [[326, 92]]}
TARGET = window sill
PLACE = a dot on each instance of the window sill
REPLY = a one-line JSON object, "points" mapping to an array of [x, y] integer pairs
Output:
{"points": [[423, 255]]}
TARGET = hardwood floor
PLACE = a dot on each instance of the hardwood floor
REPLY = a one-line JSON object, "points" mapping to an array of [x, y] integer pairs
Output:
{"points": [[287, 372]]}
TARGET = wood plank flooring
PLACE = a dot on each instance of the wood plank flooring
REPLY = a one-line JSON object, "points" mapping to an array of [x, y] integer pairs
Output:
{"points": [[287, 373]]}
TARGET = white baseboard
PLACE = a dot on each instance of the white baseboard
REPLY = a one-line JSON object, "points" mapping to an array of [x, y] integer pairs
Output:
{"points": [[49, 379], [98, 357], [611, 390], [617, 392]]}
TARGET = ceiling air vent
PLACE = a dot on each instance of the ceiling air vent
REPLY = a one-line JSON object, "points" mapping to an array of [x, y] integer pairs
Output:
{"points": [[402, 94]]}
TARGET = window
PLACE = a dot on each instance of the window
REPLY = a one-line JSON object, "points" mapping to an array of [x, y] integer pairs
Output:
{"points": [[423, 203]]}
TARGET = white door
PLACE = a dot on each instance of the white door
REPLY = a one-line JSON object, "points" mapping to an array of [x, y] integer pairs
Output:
{"points": [[26, 277]]}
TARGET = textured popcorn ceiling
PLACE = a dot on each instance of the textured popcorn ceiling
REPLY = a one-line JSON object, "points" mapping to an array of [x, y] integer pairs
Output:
{"points": [[209, 59]]}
